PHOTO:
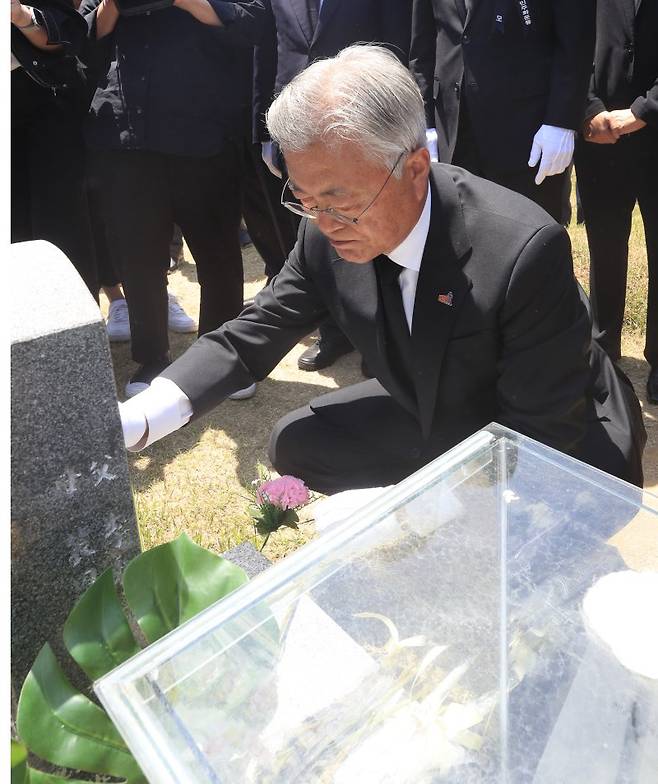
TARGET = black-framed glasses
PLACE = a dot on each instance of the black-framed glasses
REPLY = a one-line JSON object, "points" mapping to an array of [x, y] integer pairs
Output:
{"points": [[313, 212]]}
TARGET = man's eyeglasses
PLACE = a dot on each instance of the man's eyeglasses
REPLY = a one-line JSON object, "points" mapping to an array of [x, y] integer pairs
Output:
{"points": [[313, 212]]}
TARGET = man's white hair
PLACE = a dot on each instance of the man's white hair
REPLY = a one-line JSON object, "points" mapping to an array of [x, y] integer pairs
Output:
{"points": [[362, 95]]}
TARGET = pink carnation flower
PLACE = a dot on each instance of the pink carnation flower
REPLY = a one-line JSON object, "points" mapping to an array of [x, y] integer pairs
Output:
{"points": [[287, 492]]}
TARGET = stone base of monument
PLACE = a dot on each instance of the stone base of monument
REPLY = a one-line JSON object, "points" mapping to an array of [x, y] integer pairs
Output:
{"points": [[72, 513]]}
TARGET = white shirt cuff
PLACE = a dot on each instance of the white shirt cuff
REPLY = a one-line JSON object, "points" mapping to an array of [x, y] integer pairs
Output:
{"points": [[154, 413]]}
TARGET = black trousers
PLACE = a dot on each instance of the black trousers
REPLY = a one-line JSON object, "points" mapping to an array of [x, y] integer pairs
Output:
{"points": [[272, 228], [550, 194], [612, 178], [144, 194], [355, 437], [48, 187]]}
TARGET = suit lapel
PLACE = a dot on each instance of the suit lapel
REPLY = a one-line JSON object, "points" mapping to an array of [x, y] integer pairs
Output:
{"points": [[442, 286], [300, 10], [326, 12]]}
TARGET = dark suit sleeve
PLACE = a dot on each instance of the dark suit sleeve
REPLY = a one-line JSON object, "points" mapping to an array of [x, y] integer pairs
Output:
{"points": [[422, 54], [543, 368], [242, 22], [265, 65], [249, 347], [575, 29], [645, 107], [396, 27], [593, 105]]}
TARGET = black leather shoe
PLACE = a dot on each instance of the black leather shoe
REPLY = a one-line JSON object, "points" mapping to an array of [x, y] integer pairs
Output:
{"points": [[323, 353], [652, 386], [365, 370]]}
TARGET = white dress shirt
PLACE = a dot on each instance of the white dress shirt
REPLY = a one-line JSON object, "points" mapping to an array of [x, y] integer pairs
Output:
{"points": [[164, 407]]}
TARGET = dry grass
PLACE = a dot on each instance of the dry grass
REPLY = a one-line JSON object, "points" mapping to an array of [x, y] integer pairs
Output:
{"points": [[194, 480]]}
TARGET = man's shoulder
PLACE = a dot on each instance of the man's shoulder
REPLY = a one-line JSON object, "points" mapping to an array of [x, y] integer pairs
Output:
{"points": [[484, 202]]}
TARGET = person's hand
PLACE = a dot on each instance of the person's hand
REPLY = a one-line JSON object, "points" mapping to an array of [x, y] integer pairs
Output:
{"points": [[623, 121], [267, 153], [21, 15], [552, 149], [432, 144], [597, 129]]}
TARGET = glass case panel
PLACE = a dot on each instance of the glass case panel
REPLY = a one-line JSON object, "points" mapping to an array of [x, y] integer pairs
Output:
{"points": [[438, 635]]}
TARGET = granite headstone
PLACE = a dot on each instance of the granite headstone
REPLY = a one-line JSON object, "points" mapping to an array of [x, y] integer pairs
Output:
{"points": [[72, 513]]}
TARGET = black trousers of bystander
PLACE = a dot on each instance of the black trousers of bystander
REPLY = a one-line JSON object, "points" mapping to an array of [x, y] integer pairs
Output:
{"points": [[612, 178], [144, 193]]}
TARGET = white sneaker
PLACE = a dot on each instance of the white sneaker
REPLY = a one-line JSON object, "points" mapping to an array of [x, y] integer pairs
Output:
{"points": [[244, 394], [179, 321], [118, 322]]}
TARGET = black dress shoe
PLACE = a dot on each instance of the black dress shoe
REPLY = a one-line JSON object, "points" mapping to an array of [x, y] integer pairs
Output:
{"points": [[652, 386], [323, 353]]}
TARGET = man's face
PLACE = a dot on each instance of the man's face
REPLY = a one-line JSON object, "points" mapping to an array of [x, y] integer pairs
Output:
{"points": [[347, 181]]}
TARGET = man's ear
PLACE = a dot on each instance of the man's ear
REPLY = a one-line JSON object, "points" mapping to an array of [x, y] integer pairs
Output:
{"points": [[418, 166]]}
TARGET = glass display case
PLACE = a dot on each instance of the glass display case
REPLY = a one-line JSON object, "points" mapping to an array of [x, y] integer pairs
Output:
{"points": [[488, 619]]}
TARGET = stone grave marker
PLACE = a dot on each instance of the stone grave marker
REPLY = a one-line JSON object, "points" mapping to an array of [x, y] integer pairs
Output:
{"points": [[72, 513]]}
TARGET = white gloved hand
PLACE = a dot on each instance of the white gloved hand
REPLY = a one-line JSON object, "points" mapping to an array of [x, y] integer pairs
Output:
{"points": [[133, 422], [432, 143], [267, 152], [555, 148]]}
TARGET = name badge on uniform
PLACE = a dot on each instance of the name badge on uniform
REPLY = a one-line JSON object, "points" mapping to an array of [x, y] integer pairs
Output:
{"points": [[524, 12]]}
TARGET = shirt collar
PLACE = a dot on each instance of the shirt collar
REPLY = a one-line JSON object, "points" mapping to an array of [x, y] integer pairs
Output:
{"points": [[409, 253]]}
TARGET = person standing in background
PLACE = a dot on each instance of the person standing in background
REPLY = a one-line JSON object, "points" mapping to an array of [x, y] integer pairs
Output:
{"points": [[165, 128], [48, 107], [301, 31], [617, 167], [504, 84]]}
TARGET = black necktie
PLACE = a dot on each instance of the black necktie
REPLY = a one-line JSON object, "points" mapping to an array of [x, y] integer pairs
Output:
{"points": [[398, 340], [313, 12]]}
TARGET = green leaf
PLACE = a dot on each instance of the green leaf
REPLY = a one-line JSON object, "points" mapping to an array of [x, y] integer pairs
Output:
{"points": [[169, 584], [39, 777], [96, 632], [290, 518], [19, 773], [65, 728]]}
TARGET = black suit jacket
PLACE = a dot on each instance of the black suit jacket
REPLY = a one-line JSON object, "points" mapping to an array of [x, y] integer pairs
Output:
{"points": [[513, 77], [289, 43], [626, 61], [513, 347]]}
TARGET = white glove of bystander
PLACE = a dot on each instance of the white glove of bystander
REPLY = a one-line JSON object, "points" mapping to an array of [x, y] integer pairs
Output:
{"points": [[555, 148], [267, 152], [432, 143]]}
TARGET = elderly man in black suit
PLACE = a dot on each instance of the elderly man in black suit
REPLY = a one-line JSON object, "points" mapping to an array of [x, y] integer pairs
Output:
{"points": [[460, 294], [300, 32], [504, 84], [617, 166]]}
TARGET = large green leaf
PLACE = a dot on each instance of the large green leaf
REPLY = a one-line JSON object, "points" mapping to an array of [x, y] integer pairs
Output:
{"points": [[19, 773], [39, 777], [96, 632], [67, 729], [170, 584]]}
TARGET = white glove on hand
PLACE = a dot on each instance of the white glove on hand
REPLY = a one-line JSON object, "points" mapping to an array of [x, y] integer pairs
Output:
{"points": [[133, 423], [267, 151], [555, 148], [432, 144]]}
